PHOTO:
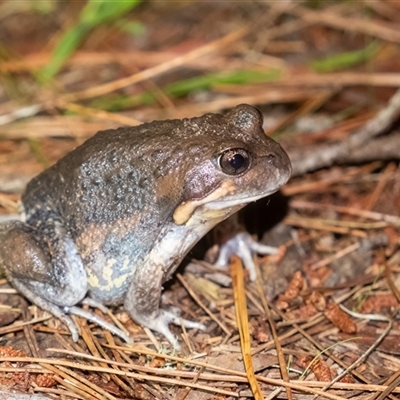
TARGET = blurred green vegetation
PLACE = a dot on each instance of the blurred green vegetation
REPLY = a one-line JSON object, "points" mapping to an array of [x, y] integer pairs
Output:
{"points": [[184, 87], [95, 13], [37, 150], [345, 60], [10, 7], [320, 3]]}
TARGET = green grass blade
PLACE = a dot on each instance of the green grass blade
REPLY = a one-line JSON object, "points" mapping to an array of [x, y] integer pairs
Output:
{"points": [[65, 47], [345, 60], [100, 11], [94, 13], [240, 77]]}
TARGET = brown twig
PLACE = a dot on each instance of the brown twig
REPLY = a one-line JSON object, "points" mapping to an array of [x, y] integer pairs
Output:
{"points": [[311, 158], [202, 305], [390, 219]]}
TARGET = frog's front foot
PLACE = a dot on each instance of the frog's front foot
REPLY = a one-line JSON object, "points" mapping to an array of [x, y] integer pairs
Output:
{"points": [[160, 321], [243, 245]]}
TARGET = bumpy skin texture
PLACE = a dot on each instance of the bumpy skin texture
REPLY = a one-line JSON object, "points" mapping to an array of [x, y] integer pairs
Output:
{"points": [[115, 217]]}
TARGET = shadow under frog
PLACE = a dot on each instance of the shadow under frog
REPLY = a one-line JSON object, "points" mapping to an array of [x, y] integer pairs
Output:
{"points": [[110, 222]]}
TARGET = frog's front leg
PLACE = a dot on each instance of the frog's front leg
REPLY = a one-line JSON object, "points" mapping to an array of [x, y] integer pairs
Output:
{"points": [[143, 303], [244, 246], [44, 265]]}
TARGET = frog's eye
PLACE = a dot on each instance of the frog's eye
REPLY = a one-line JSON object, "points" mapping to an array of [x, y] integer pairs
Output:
{"points": [[234, 161]]}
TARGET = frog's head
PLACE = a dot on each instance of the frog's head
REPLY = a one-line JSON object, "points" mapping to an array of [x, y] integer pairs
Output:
{"points": [[230, 162]]}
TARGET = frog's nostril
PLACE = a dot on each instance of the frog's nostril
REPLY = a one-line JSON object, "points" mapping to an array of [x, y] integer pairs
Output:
{"points": [[271, 158]]}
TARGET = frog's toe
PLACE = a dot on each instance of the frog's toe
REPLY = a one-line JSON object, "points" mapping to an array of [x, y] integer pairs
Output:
{"points": [[161, 323], [177, 320], [95, 304], [71, 326], [99, 321], [243, 245]]}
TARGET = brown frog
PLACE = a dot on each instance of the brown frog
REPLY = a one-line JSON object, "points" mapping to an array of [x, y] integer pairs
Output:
{"points": [[110, 222]]}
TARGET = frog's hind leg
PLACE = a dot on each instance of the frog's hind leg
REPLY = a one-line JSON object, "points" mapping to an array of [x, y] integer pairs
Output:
{"points": [[47, 306], [44, 266]]}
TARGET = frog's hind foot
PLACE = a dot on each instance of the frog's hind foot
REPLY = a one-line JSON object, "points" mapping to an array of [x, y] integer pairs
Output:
{"points": [[98, 320], [61, 313]]}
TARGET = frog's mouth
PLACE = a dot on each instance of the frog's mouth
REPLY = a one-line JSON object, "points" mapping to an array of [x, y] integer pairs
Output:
{"points": [[218, 205]]}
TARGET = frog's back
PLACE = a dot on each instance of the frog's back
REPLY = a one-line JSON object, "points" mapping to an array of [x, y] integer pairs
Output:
{"points": [[107, 169]]}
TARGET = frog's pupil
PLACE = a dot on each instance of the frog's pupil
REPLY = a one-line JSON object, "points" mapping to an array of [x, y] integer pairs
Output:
{"points": [[237, 161], [234, 161]]}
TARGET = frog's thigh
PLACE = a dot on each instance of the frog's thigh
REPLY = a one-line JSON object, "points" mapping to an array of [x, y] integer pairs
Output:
{"points": [[59, 278]]}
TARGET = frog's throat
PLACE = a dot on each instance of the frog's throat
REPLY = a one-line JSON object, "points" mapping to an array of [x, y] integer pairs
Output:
{"points": [[186, 209]]}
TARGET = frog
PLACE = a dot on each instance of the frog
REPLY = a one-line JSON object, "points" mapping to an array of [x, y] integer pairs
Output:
{"points": [[110, 222]]}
